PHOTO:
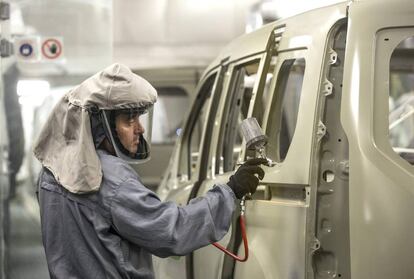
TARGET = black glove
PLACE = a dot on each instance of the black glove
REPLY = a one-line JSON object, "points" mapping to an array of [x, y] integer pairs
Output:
{"points": [[244, 180]]}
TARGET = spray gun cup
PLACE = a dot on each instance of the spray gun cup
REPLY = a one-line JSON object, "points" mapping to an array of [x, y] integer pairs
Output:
{"points": [[257, 143]]}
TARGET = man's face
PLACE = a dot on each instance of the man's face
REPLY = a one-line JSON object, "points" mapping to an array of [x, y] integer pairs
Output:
{"points": [[129, 129]]}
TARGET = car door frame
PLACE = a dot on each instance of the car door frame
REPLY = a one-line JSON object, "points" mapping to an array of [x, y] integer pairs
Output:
{"points": [[177, 185], [215, 256]]}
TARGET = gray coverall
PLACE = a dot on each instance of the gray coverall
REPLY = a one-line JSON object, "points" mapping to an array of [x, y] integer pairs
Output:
{"points": [[113, 232]]}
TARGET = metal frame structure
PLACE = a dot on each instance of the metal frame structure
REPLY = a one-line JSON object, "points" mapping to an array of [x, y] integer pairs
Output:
{"points": [[339, 204]]}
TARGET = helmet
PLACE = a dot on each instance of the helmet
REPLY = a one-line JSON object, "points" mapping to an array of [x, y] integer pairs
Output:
{"points": [[100, 107]]}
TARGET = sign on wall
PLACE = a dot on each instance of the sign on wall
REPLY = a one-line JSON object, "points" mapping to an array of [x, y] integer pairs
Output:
{"points": [[52, 48], [39, 49], [27, 48]]}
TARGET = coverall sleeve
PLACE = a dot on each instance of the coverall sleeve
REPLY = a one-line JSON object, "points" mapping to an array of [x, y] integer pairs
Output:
{"points": [[166, 229]]}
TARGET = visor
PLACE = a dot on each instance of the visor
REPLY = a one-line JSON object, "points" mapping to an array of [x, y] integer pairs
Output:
{"points": [[129, 131]]}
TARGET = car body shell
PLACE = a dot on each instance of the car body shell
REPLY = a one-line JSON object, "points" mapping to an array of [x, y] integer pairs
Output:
{"points": [[339, 200]]}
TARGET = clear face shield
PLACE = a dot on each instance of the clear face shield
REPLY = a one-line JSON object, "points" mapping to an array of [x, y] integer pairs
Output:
{"points": [[130, 133]]}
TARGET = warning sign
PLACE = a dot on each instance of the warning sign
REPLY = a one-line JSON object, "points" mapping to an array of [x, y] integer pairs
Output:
{"points": [[52, 48], [26, 48]]}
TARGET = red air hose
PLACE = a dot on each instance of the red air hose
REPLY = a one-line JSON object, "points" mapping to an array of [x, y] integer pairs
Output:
{"points": [[244, 236]]}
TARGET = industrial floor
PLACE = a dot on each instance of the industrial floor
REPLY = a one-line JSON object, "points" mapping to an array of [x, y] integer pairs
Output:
{"points": [[27, 257]]}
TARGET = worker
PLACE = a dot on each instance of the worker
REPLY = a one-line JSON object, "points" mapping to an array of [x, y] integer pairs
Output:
{"points": [[97, 218]]}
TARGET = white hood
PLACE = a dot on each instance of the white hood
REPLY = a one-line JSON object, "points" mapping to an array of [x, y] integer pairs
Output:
{"points": [[65, 145]]}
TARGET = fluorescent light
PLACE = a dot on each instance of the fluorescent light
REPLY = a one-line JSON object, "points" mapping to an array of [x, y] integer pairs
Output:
{"points": [[32, 87], [32, 91]]}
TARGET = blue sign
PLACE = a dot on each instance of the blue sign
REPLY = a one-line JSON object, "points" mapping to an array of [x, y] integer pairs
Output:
{"points": [[26, 50]]}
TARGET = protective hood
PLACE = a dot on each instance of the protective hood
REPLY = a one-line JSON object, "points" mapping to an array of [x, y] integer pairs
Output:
{"points": [[66, 145]]}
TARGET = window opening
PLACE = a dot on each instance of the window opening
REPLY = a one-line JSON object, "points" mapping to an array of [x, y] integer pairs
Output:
{"points": [[236, 109], [401, 100], [285, 108], [168, 114], [190, 152]]}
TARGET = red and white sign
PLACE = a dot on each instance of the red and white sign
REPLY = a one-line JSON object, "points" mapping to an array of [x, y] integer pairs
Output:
{"points": [[52, 48]]}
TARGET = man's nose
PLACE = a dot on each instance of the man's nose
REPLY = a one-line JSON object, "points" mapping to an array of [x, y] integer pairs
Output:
{"points": [[139, 129]]}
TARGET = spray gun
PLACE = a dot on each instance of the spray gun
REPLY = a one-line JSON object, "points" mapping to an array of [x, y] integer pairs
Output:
{"points": [[255, 140]]}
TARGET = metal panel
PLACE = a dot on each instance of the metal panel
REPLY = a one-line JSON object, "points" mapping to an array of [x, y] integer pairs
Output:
{"points": [[277, 240], [300, 33], [381, 189], [208, 260], [330, 204], [277, 228]]}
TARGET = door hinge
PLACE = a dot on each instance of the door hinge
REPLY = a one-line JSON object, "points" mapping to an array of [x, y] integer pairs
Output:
{"points": [[4, 11], [327, 88], [333, 57], [321, 130], [314, 245]]}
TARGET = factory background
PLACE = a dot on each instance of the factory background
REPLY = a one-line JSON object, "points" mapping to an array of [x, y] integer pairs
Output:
{"points": [[50, 46]]}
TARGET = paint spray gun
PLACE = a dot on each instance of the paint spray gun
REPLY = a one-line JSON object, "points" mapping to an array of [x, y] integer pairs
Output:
{"points": [[255, 140]]}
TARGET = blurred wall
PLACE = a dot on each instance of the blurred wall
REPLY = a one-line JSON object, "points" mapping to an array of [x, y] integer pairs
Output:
{"points": [[168, 33], [84, 25]]}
